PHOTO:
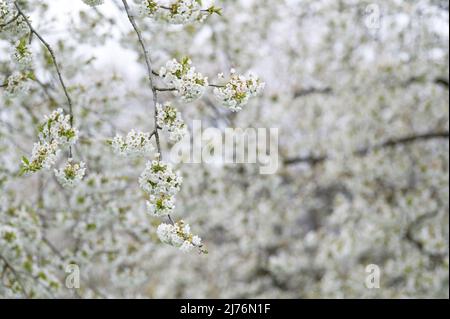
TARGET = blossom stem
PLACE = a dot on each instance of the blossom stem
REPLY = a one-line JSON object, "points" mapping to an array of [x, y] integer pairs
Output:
{"points": [[148, 63]]}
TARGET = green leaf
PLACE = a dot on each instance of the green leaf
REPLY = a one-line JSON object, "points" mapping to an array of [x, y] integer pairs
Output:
{"points": [[25, 160]]}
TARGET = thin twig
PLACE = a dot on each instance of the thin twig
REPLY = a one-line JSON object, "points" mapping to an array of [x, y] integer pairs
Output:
{"points": [[150, 71]]}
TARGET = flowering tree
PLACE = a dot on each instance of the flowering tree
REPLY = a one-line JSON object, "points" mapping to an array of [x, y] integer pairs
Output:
{"points": [[92, 102]]}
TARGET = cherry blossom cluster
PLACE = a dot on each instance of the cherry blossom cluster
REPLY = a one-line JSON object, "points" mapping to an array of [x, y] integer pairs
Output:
{"points": [[15, 29], [57, 127], [134, 144], [18, 84], [8, 235], [11, 26], [238, 90], [178, 12], [189, 84], [170, 119], [55, 132], [162, 184], [94, 3], [43, 156], [71, 174], [22, 56], [179, 235]]}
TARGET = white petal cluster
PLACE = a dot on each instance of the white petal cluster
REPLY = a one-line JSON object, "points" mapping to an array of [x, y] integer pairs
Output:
{"points": [[184, 11], [22, 56], [162, 184], [177, 12], [10, 26], [43, 156], [8, 235], [54, 133], [149, 8], [169, 118], [179, 235], [17, 85], [189, 84], [236, 93], [71, 174], [134, 144], [57, 128], [94, 3]]}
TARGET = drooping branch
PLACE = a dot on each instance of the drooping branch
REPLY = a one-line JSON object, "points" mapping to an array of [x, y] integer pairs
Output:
{"points": [[151, 74], [314, 160], [54, 60], [150, 71]]}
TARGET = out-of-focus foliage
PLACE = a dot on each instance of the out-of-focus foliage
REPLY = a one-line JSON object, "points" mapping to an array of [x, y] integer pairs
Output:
{"points": [[359, 91]]}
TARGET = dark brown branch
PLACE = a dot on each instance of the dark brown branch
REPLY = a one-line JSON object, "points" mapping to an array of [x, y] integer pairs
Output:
{"points": [[165, 89], [315, 160], [150, 72], [442, 81]]}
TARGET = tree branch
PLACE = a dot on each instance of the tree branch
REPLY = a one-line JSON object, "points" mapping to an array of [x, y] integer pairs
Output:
{"points": [[314, 160], [150, 72], [55, 62]]}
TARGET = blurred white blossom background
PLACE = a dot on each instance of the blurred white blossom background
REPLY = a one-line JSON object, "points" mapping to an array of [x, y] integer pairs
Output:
{"points": [[359, 91]]}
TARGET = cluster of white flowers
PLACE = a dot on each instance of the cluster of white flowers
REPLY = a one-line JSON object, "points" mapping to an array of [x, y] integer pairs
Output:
{"points": [[179, 235], [178, 12], [21, 55], [57, 128], [188, 83], [162, 184], [94, 3], [135, 144], [54, 133], [71, 174], [238, 90], [8, 235], [18, 84], [43, 156], [14, 28], [10, 25], [170, 119], [149, 8]]}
